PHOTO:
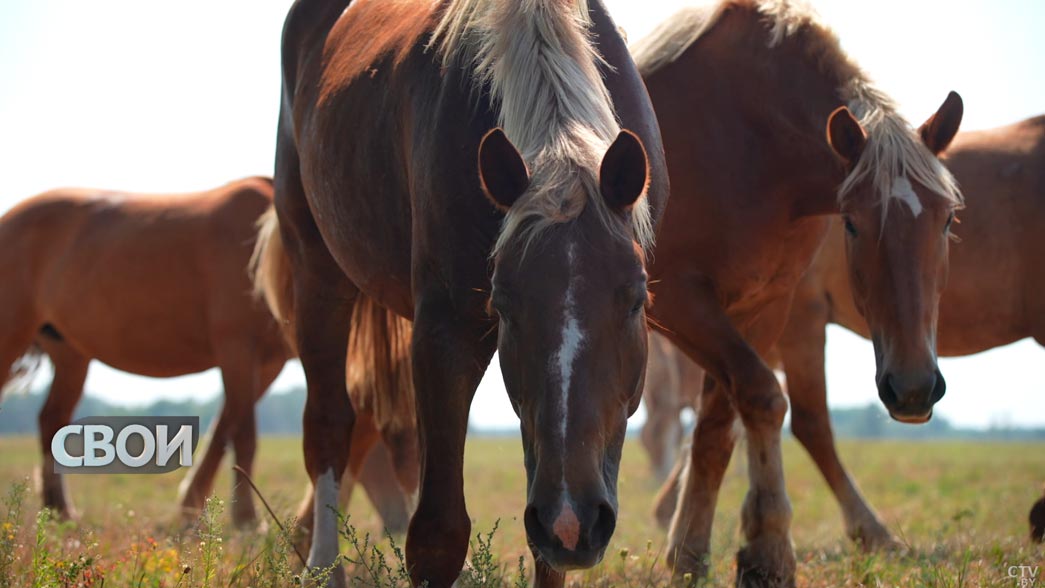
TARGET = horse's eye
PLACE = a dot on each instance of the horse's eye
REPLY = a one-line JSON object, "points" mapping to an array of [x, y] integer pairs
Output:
{"points": [[850, 228], [640, 303], [950, 221]]}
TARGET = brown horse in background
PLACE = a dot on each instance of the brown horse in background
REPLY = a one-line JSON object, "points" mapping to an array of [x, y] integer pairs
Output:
{"points": [[993, 296], [397, 192], [156, 286], [745, 96], [673, 383], [151, 285]]}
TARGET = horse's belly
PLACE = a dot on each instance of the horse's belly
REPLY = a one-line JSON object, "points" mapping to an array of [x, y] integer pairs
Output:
{"points": [[141, 343], [145, 312]]}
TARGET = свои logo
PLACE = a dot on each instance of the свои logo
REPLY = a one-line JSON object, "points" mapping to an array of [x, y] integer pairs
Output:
{"points": [[130, 445]]}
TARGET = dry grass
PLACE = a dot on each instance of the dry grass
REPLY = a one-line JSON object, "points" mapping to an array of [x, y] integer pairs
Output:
{"points": [[961, 508]]}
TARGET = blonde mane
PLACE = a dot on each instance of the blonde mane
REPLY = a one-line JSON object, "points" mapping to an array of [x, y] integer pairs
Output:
{"points": [[893, 149], [537, 61]]}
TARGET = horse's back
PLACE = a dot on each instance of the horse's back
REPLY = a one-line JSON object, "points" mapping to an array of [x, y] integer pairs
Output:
{"points": [[364, 123], [139, 281]]}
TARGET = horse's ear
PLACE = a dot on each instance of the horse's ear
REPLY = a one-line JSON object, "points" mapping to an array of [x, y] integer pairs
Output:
{"points": [[502, 171], [845, 135], [624, 171], [940, 129]]}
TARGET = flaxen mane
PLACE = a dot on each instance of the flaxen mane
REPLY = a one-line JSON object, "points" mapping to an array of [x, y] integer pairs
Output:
{"points": [[537, 61], [893, 151]]}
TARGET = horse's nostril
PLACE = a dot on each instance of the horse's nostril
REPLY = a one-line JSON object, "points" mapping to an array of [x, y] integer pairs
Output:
{"points": [[602, 530], [939, 388], [886, 391], [534, 529]]}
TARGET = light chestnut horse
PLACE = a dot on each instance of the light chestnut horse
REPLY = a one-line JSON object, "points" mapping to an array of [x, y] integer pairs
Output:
{"points": [[769, 128], [152, 285], [991, 299], [993, 295]]}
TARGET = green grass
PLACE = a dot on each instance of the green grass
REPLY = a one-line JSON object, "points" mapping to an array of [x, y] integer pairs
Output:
{"points": [[961, 508]]}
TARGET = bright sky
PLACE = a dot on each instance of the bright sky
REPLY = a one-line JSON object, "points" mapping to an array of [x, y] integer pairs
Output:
{"points": [[182, 96]]}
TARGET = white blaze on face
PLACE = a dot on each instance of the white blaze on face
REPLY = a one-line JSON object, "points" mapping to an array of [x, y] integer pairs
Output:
{"points": [[904, 192], [572, 340], [324, 535]]}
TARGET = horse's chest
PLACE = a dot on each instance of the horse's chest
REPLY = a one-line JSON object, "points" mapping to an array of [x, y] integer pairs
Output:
{"points": [[770, 271]]}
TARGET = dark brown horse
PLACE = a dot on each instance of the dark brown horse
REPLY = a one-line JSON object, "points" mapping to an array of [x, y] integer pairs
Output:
{"points": [[768, 128], [992, 297], [152, 285], [392, 188]]}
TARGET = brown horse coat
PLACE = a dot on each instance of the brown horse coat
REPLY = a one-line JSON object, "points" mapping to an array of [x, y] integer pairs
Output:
{"points": [[992, 296], [152, 285], [754, 102], [392, 188]]}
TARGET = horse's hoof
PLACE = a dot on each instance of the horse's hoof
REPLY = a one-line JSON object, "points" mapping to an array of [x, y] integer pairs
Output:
{"points": [[875, 538], [755, 570], [688, 568]]}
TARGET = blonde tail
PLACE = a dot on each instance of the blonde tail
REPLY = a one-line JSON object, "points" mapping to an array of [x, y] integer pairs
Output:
{"points": [[377, 368], [270, 271]]}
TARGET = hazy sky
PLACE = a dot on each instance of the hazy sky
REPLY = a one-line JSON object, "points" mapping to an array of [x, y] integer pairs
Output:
{"points": [[149, 96]]}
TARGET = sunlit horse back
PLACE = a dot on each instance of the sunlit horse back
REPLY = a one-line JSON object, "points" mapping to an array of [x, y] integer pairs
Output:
{"points": [[491, 170], [764, 119]]}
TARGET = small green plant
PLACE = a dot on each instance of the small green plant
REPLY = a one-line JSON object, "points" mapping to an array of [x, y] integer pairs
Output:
{"points": [[485, 569], [43, 568], [370, 566], [10, 530], [209, 550]]}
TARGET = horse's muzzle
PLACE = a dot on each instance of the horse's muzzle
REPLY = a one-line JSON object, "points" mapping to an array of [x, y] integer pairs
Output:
{"points": [[910, 397], [568, 535]]}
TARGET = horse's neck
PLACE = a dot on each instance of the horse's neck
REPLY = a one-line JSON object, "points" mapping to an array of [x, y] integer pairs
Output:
{"points": [[787, 100]]}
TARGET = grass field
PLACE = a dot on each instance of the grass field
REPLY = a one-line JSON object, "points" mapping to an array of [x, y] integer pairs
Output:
{"points": [[960, 508]]}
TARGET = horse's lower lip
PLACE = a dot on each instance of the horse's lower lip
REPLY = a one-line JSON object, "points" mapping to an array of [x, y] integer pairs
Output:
{"points": [[912, 419]]}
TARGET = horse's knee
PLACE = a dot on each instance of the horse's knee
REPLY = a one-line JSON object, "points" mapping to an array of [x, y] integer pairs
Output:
{"points": [[809, 427], [760, 400]]}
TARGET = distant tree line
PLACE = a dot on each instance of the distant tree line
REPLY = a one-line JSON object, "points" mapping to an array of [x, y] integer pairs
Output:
{"points": [[280, 414]]}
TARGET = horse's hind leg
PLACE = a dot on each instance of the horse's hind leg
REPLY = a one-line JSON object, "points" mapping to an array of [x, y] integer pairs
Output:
{"points": [[378, 477], [240, 378], [70, 372], [244, 445], [802, 351], [662, 432]]}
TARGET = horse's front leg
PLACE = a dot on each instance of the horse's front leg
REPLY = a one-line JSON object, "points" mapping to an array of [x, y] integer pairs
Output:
{"points": [[705, 332], [322, 327], [450, 355]]}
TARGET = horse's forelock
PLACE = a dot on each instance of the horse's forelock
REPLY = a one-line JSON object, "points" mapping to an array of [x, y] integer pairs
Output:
{"points": [[893, 153]]}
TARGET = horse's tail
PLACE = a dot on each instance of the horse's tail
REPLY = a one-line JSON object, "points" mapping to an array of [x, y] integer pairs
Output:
{"points": [[377, 368], [270, 270], [22, 372]]}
